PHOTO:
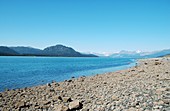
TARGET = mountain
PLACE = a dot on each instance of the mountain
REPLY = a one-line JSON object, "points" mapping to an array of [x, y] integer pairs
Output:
{"points": [[57, 51], [63, 51], [7, 51], [160, 53], [127, 54], [60, 50], [27, 50], [139, 54]]}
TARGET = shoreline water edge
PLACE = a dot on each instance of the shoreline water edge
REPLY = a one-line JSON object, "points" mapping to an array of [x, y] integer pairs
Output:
{"points": [[144, 87]]}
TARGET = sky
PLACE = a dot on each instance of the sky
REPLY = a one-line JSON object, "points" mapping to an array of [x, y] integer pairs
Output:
{"points": [[101, 26]]}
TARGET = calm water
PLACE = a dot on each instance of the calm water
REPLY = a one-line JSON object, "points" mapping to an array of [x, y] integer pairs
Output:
{"points": [[19, 72]]}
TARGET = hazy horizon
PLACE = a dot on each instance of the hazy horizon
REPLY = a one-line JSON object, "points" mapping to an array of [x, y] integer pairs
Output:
{"points": [[87, 26]]}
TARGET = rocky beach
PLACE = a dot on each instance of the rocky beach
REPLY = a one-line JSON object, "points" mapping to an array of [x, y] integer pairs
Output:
{"points": [[145, 87]]}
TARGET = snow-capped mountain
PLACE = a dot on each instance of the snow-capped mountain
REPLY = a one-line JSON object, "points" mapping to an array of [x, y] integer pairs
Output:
{"points": [[127, 54], [140, 54], [133, 54], [102, 54]]}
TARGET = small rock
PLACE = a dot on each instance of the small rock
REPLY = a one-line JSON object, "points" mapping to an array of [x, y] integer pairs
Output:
{"points": [[99, 102], [19, 104], [48, 84], [160, 90], [158, 103], [104, 82], [59, 88], [46, 102], [61, 108], [75, 105], [166, 101], [132, 109], [132, 70], [85, 109], [56, 98], [157, 107], [51, 90], [66, 99], [157, 63], [141, 71], [69, 80], [115, 98]]}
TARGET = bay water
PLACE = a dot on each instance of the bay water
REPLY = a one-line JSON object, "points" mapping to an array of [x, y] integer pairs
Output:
{"points": [[20, 72]]}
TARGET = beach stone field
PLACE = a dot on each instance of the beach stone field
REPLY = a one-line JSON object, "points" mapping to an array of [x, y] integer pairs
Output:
{"points": [[145, 87]]}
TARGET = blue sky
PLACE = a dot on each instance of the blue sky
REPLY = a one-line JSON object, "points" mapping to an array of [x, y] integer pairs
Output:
{"points": [[86, 25]]}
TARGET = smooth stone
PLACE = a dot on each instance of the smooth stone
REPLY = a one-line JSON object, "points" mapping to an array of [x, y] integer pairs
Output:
{"points": [[75, 105]]}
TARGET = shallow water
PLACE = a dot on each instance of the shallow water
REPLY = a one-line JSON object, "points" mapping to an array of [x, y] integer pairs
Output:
{"points": [[19, 72]]}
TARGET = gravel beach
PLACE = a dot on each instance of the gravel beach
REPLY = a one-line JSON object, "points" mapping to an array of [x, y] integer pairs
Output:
{"points": [[145, 87]]}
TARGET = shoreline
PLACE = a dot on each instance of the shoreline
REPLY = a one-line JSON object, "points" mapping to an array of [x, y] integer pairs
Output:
{"points": [[143, 87]]}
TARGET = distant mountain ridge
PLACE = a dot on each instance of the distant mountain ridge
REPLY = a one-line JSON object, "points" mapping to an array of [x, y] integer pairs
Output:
{"points": [[27, 50], [57, 51], [63, 51], [7, 51], [139, 54]]}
